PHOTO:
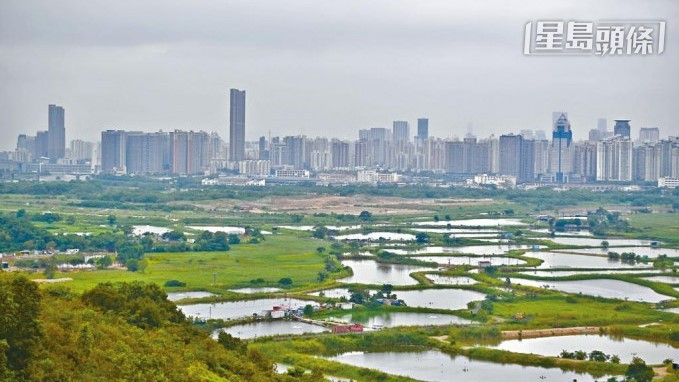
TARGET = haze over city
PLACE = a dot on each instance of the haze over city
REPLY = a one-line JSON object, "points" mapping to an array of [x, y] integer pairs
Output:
{"points": [[325, 69]]}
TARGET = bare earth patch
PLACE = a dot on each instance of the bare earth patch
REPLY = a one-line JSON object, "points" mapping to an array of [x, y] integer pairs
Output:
{"points": [[312, 204]]}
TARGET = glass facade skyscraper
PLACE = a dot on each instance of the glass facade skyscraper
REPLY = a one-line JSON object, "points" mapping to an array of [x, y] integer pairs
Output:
{"points": [[237, 126]]}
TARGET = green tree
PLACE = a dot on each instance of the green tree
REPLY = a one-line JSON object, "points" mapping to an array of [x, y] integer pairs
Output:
{"points": [[143, 305], [387, 289], [638, 371], [421, 238], [358, 295], [111, 220], [285, 281], [104, 262], [230, 342], [50, 268], [132, 265], [174, 235], [598, 356], [142, 265], [20, 330], [365, 215]]}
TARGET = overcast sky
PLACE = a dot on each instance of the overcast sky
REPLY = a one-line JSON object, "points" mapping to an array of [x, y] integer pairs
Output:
{"points": [[324, 68]]}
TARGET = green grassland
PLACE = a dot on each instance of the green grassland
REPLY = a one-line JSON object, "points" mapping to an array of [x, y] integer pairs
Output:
{"points": [[659, 226], [276, 257]]}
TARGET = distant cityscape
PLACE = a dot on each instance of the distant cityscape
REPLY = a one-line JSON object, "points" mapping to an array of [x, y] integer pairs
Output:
{"points": [[378, 155]]}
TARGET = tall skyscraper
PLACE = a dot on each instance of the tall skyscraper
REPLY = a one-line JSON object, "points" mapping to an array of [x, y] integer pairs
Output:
{"points": [[622, 128], [614, 159], [602, 126], [649, 135], [423, 128], [517, 157], [561, 158], [540, 135], [41, 145], [263, 149], [81, 150], [647, 162], [113, 150], [56, 132], [510, 154], [401, 132], [527, 161], [669, 163], [557, 114], [237, 126], [595, 135]]}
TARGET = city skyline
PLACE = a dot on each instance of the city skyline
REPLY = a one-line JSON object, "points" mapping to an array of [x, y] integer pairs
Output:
{"points": [[340, 67], [608, 156]]}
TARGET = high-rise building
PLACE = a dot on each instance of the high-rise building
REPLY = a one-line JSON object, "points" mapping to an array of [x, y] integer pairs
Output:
{"points": [[541, 156], [517, 157], [296, 151], [595, 135], [540, 135], [113, 151], [557, 114], [21, 142], [56, 144], [189, 152], [669, 164], [614, 159], [340, 154], [527, 134], [510, 154], [455, 158], [647, 162], [237, 126], [584, 163], [376, 145], [41, 145], [602, 126], [148, 153], [81, 150], [527, 161], [401, 132], [622, 128], [263, 149], [423, 128], [561, 152], [649, 135]]}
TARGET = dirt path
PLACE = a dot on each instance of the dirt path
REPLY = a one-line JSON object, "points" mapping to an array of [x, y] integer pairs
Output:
{"points": [[511, 334]]}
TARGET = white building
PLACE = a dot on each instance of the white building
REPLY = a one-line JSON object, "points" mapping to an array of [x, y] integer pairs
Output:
{"points": [[254, 167], [668, 182], [304, 174]]}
